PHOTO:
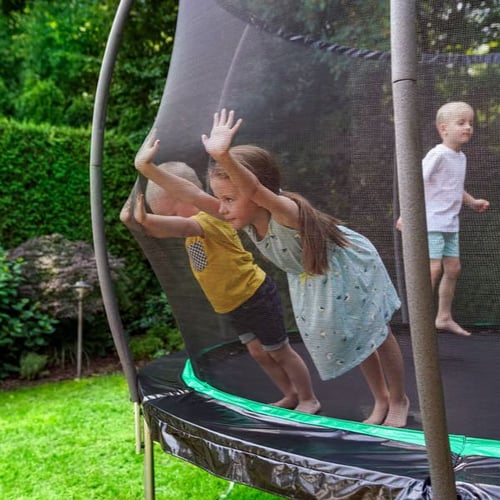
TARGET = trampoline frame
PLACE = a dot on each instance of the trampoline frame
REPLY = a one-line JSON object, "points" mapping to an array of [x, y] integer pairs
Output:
{"points": [[287, 453], [431, 399]]}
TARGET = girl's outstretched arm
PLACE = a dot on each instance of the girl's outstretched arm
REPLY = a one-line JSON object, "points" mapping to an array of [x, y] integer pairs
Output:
{"points": [[218, 145], [175, 186]]}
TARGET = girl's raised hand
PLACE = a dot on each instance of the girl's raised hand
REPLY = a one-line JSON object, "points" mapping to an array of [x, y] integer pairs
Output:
{"points": [[148, 150], [223, 130]]}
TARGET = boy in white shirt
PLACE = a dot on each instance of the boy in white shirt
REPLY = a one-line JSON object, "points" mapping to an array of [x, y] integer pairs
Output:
{"points": [[444, 168]]}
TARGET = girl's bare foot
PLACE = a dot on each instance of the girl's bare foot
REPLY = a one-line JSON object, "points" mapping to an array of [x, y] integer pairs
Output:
{"points": [[378, 414], [451, 326], [398, 413], [288, 402], [311, 406]]}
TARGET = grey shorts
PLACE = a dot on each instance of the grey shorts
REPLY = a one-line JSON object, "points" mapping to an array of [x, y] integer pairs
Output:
{"points": [[261, 317]]}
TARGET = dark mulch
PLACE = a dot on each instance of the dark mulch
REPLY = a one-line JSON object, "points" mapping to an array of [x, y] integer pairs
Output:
{"points": [[97, 366]]}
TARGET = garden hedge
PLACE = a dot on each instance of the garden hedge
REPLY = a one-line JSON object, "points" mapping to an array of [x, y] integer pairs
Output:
{"points": [[46, 190]]}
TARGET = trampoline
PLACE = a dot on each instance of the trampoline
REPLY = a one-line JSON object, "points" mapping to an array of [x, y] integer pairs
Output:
{"points": [[209, 424], [320, 97]]}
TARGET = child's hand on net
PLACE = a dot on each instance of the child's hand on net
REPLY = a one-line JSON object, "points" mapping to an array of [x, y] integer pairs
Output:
{"points": [[147, 151], [126, 213], [223, 130], [140, 209]]}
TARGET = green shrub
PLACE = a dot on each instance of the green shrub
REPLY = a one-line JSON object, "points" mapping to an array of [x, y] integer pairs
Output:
{"points": [[33, 365], [158, 341], [144, 347], [23, 326], [42, 102], [171, 337], [155, 333], [52, 266], [46, 183], [155, 311]]}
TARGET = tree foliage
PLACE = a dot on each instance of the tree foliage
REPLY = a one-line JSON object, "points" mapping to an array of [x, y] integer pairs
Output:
{"points": [[443, 25], [459, 27], [51, 52], [51, 56]]}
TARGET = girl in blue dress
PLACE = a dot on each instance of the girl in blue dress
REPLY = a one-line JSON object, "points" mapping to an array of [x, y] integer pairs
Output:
{"points": [[341, 293]]}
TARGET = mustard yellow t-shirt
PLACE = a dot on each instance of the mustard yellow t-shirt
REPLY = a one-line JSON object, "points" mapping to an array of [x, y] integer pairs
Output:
{"points": [[225, 271]]}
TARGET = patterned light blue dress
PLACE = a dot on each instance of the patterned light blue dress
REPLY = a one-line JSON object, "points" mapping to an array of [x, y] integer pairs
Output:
{"points": [[342, 316]]}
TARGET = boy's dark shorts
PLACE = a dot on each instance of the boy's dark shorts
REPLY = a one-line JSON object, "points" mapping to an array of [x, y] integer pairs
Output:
{"points": [[261, 316]]}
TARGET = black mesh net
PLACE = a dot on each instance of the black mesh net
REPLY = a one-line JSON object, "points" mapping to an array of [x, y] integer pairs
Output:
{"points": [[312, 81]]}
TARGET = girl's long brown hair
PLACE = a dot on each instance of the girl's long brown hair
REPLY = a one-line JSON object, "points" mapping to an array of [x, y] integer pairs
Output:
{"points": [[317, 229]]}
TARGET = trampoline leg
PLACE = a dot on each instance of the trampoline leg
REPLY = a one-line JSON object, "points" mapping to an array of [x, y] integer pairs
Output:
{"points": [[138, 433], [149, 481]]}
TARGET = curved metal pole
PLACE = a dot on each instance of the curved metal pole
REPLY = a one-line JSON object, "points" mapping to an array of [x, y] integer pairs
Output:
{"points": [[419, 291], [96, 190]]}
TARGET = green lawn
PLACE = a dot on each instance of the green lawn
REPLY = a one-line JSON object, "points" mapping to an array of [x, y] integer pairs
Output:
{"points": [[74, 440]]}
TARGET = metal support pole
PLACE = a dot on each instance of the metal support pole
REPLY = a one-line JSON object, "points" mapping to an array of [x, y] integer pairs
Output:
{"points": [[149, 480], [138, 430], [79, 340], [416, 259], [81, 289]]}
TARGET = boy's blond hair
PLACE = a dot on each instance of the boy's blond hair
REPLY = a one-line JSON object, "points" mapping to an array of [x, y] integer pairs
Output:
{"points": [[449, 110], [154, 192]]}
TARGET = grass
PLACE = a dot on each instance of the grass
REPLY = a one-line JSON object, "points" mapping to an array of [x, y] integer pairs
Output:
{"points": [[75, 440]]}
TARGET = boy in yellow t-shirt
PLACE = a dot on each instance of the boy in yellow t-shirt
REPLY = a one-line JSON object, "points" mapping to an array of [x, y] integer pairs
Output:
{"points": [[232, 282]]}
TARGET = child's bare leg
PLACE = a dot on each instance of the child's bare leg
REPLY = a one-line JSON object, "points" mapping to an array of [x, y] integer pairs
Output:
{"points": [[276, 373], [444, 319], [372, 371], [392, 363], [294, 366]]}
